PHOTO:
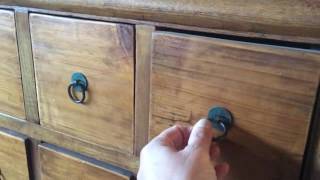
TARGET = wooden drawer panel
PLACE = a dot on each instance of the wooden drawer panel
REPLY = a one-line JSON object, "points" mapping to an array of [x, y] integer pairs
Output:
{"points": [[269, 90], [60, 164], [104, 53], [13, 156], [11, 96]]}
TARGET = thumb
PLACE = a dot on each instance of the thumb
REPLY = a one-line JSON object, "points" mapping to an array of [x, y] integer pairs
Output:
{"points": [[201, 135]]}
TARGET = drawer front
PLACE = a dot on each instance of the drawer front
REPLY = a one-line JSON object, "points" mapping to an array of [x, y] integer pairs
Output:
{"points": [[103, 52], [13, 156], [270, 92], [11, 96], [60, 164]]}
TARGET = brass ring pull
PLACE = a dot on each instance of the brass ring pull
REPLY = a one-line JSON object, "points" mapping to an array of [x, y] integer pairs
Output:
{"points": [[79, 84]]}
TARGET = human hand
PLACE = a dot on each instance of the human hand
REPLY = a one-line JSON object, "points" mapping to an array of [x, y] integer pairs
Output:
{"points": [[182, 153]]}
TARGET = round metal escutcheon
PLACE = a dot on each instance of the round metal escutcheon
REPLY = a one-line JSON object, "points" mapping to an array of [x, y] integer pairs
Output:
{"points": [[78, 84], [79, 78], [220, 114], [221, 119]]}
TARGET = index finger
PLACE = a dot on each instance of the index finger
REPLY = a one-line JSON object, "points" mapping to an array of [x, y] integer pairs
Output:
{"points": [[175, 137]]}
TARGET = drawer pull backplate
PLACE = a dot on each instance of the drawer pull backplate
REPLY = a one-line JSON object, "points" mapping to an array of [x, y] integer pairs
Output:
{"points": [[79, 83]]}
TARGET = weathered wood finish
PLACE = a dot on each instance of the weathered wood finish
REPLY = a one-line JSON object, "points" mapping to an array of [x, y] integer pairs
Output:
{"points": [[26, 63], [34, 131], [269, 90], [104, 53], [57, 164], [11, 96], [142, 85], [13, 157], [296, 20]]}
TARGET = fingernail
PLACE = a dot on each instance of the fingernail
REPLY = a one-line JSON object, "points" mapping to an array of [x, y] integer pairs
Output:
{"points": [[204, 123]]}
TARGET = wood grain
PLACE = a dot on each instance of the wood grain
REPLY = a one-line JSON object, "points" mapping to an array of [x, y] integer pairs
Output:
{"points": [[13, 156], [269, 90], [43, 134], [298, 19], [26, 63], [104, 53], [60, 164], [142, 85], [11, 96]]}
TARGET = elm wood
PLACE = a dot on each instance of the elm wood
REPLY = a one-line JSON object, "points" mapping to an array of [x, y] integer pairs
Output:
{"points": [[270, 91], [26, 64], [300, 17], [13, 156], [142, 85], [104, 53], [170, 25], [11, 96], [60, 164], [43, 134]]}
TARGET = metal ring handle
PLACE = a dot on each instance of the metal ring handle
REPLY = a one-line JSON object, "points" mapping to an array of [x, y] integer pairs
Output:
{"points": [[71, 92], [224, 132]]}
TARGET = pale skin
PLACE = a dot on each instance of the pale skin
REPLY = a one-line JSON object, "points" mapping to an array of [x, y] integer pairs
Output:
{"points": [[183, 153]]}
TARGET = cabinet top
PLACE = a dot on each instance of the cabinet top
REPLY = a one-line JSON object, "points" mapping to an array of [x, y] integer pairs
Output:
{"points": [[298, 20]]}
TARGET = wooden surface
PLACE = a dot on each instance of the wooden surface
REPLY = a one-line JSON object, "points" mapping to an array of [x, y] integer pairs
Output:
{"points": [[44, 134], [11, 97], [142, 85], [59, 164], [13, 156], [295, 19], [104, 53], [26, 63], [270, 91]]}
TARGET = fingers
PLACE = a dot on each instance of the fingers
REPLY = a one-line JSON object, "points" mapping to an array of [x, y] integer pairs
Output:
{"points": [[201, 135], [222, 170], [175, 137], [214, 151]]}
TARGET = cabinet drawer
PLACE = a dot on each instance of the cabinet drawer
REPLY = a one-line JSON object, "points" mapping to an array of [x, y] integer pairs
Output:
{"points": [[269, 90], [59, 164], [103, 52], [11, 96], [13, 156]]}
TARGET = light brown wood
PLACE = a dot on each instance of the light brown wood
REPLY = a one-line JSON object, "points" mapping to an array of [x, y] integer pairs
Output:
{"points": [[11, 97], [104, 53], [43, 134], [299, 19], [142, 85], [60, 164], [13, 156], [269, 90], [26, 63], [196, 29]]}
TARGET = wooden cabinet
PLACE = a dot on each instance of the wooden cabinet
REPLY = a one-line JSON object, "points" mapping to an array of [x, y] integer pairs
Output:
{"points": [[103, 52], [269, 90], [11, 96], [61, 164], [13, 156], [144, 77]]}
